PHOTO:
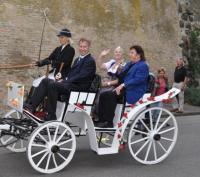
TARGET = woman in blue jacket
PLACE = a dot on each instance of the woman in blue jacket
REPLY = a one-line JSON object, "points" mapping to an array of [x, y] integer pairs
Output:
{"points": [[132, 82]]}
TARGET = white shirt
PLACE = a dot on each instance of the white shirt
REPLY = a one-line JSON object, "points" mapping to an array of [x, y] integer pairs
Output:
{"points": [[63, 47]]}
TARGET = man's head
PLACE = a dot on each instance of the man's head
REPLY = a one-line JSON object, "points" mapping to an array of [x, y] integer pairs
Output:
{"points": [[84, 46], [179, 62], [64, 36]]}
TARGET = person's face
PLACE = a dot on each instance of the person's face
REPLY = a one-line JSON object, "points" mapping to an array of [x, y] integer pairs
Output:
{"points": [[179, 62], [118, 54], [63, 40], [84, 48], [161, 74], [133, 55]]}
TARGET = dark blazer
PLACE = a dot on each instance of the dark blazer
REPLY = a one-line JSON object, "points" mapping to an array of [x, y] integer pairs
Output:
{"points": [[58, 56], [136, 81], [82, 73]]}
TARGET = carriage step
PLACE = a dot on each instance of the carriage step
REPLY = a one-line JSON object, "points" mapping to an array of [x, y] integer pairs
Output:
{"points": [[107, 150]]}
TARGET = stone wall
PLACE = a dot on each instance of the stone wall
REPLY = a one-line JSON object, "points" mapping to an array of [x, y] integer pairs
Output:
{"points": [[154, 24], [189, 16]]}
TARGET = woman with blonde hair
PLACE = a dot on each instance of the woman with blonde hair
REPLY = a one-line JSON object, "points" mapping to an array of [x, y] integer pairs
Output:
{"points": [[114, 65]]}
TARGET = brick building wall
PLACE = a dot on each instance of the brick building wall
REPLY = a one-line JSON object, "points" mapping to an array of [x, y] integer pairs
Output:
{"points": [[152, 24]]}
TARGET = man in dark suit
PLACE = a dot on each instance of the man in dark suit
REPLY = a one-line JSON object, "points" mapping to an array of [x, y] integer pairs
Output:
{"points": [[79, 79], [61, 58]]}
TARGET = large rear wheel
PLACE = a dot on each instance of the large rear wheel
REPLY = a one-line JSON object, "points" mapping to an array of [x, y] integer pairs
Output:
{"points": [[152, 135]]}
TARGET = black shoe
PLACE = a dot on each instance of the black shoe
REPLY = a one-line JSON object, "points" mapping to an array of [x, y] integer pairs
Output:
{"points": [[50, 117], [104, 124]]}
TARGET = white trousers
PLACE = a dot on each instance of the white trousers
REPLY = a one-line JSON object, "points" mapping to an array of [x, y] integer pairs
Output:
{"points": [[178, 103], [37, 81]]}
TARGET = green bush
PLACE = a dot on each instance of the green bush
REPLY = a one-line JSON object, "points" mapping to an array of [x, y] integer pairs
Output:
{"points": [[192, 96]]}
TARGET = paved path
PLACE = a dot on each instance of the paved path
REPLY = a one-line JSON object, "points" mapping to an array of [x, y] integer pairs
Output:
{"points": [[184, 161]]}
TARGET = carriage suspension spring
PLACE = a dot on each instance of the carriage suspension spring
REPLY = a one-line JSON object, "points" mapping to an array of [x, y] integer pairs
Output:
{"points": [[18, 128]]}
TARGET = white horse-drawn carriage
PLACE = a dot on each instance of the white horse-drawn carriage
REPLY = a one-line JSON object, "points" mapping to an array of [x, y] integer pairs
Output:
{"points": [[50, 146]]}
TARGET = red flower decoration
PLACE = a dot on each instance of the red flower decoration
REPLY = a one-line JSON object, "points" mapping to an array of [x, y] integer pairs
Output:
{"points": [[125, 115], [122, 146], [132, 105], [151, 98], [119, 136], [170, 94], [140, 101], [119, 124], [167, 100]]}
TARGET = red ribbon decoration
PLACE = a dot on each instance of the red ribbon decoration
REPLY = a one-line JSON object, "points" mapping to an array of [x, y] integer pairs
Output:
{"points": [[79, 105]]}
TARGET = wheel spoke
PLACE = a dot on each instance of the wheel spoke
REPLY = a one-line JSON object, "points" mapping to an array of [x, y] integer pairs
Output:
{"points": [[161, 146], [158, 119], [13, 146], [48, 132], [139, 150], [154, 150], [39, 145], [8, 140], [61, 136], [144, 125], [65, 142], [144, 133], [54, 160], [163, 123], [148, 150], [42, 137], [42, 159], [56, 132], [38, 153], [22, 143], [164, 131], [18, 115], [62, 156], [48, 160], [167, 139], [151, 121], [138, 141], [66, 149]]}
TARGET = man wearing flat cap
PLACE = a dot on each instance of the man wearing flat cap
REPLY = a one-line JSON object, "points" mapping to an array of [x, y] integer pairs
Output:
{"points": [[60, 59]]}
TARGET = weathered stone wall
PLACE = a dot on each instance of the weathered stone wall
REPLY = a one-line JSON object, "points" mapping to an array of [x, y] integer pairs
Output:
{"points": [[154, 24]]}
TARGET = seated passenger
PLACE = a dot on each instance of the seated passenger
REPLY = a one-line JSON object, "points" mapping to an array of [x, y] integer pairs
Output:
{"points": [[113, 67], [60, 59], [133, 84], [79, 78]]}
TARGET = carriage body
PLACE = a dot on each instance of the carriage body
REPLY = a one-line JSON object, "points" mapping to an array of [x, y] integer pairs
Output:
{"points": [[51, 145]]}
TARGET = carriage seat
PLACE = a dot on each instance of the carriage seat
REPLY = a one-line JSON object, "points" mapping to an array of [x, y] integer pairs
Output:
{"points": [[94, 87]]}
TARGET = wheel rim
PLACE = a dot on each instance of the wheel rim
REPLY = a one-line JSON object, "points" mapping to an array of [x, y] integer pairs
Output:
{"points": [[152, 135], [18, 145], [51, 147]]}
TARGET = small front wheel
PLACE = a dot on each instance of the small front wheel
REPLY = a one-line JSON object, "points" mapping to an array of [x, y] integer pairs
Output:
{"points": [[11, 142], [51, 147], [152, 135]]}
